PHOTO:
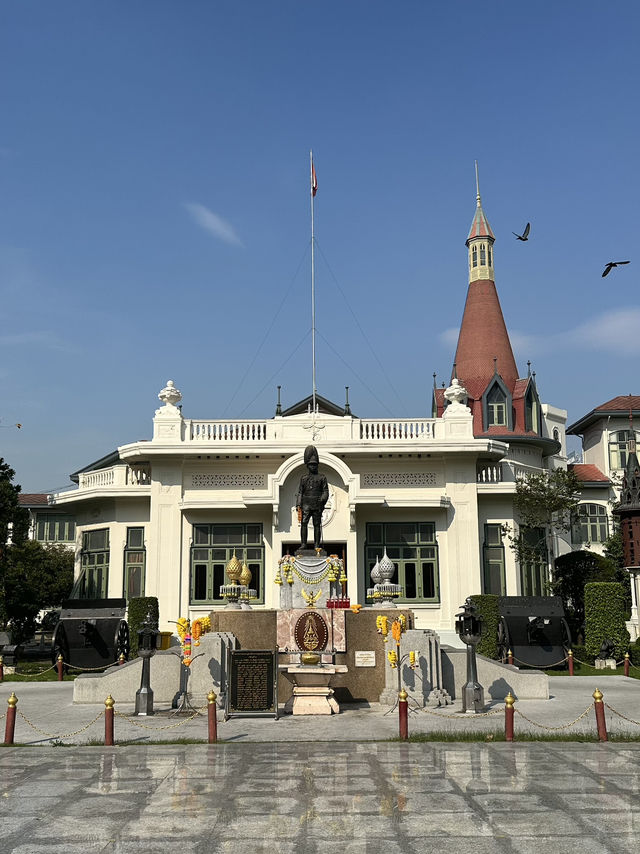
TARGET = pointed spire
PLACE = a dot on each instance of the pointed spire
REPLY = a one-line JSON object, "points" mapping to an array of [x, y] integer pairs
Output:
{"points": [[483, 343]]}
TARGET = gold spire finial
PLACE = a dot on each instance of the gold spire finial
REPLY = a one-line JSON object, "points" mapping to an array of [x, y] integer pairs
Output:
{"points": [[477, 187]]}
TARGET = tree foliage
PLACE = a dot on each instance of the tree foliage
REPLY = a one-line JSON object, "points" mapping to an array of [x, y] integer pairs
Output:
{"points": [[571, 572], [35, 577], [14, 526], [139, 608], [543, 501], [487, 608]]}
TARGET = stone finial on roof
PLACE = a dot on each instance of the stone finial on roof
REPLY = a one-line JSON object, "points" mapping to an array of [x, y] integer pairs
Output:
{"points": [[457, 396], [170, 395]]}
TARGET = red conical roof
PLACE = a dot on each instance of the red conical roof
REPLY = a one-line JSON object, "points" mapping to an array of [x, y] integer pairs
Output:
{"points": [[483, 337]]}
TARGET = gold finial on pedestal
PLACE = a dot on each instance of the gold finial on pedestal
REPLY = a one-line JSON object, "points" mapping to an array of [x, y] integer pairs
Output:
{"points": [[12, 701], [597, 695], [509, 699], [234, 569], [109, 702]]}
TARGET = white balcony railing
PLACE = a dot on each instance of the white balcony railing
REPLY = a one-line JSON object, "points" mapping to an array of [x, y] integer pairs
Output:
{"points": [[117, 477], [349, 429]]}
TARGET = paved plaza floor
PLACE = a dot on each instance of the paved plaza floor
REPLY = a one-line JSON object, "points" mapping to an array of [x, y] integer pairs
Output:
{"points": [[46, 712], [318, 784], [308, 798]]}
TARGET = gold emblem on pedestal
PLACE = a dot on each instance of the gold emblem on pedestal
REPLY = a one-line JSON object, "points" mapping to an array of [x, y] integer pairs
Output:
{"points": [[311, 598]]}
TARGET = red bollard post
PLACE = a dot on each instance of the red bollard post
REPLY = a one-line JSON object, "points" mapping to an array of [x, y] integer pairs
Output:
{"points": [[509, 657], [108, 721], [600, 721], [10, 726], [626, 665], [570, 657], [60, 663], [508, 716], [1, 668], [213, 719], [403, 714]]}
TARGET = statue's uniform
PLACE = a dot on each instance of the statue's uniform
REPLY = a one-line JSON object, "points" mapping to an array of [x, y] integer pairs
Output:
{"points": [[313, 494]]}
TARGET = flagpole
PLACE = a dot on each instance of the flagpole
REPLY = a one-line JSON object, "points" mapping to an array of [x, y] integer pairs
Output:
{"points": [[313, 291]]}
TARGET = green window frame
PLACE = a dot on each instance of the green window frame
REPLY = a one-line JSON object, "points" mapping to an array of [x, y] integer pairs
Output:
{"points": [[619, 448], [55, 528], [135, 559], [534, 575], [493, 576], [94, 581], [213, 546], [413, 548], [591, 525], [496, 408]]}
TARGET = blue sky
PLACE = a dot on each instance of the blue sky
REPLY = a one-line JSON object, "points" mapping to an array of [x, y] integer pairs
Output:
{"points": [[154, 206]]}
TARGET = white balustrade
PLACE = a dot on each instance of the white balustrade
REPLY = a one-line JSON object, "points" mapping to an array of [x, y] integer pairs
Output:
{"points": [[116, 476], [412, 430], [491, 473], [227, 431]]}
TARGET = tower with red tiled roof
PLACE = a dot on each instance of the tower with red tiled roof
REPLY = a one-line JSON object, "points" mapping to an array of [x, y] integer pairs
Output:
{"points": [[503, 405]]}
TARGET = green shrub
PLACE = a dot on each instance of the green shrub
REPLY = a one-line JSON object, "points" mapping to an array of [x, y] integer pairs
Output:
{"points": [[580, 654], [487, 608], [634, 652], [604, 606], [139, 607]]}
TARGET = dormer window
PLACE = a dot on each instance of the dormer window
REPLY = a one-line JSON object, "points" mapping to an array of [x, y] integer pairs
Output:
{"points": [[496, 407], [474, 256], [532, 410]]}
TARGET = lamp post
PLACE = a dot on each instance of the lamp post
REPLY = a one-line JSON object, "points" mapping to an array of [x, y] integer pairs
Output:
{"points": [[149, 640], [469, 629]]}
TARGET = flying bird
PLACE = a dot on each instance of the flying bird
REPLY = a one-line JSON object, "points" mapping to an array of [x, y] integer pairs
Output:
{"points": [[611, 265], [525, 233]]}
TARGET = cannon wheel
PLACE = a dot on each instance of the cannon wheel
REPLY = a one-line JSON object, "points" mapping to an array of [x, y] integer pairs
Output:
{"points": [[60, 645], [503, 640], [122, 640]]}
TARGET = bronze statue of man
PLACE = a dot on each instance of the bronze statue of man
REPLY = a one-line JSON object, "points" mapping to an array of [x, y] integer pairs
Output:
{"points": [[313, 494]]}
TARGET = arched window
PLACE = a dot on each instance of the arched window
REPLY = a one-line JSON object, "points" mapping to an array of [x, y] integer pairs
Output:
{"points": [[496, 407], [591, 525], [474, 256], [483, 255], [556, 434]]}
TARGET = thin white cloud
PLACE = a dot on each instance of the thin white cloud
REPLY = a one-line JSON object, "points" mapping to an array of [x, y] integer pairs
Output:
{"points": [[214, 224], [613, 331], [47, 340]]}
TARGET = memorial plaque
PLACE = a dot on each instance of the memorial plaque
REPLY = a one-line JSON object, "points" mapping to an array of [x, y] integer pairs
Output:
{"points": [[311, 633], [253, 682], [365, 658]]}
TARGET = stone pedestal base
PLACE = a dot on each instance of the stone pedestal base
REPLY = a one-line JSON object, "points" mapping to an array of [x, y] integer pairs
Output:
{"points": [[604, 663], [311, 692]]}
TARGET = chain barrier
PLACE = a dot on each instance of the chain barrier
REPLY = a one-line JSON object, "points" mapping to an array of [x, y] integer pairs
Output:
{"points": [[38, 673], [555, 728], [620, 715], [144, 726], [89, 669], [541, 667], [53, 735], [456, 715]]}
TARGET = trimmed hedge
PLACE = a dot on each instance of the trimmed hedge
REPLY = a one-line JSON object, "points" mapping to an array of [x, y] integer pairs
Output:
{"points": [[487, 608], [139, 607], [604, 608], [634, 653]]}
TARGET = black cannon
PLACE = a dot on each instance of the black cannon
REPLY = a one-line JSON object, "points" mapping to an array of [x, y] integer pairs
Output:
{"points": [[91, 633], [534, 629]]}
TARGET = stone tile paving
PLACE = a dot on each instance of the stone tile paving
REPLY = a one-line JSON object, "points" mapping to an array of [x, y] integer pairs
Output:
{"points": [[350, 797], [50, 708]]}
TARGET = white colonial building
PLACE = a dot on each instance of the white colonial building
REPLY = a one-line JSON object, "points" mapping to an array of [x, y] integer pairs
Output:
{"points": [[163, 517]]}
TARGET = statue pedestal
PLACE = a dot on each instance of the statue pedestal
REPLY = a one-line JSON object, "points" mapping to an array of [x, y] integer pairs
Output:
{"points": [[311, 692]]}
